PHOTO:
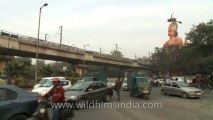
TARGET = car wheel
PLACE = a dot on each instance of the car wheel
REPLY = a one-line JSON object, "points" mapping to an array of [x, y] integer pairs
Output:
{"points": [[19, 117], [163, 92], [185, 95], [107, 98], [82, 103]]}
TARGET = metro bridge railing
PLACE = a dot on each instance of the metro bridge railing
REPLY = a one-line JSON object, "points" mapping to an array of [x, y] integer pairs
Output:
{"points": [[43, 43]]}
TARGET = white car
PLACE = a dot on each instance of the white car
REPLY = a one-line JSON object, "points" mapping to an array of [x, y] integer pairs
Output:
{"points": [[160, 81], [111, 83], [124, 85], [47, 86], [46, 79]]}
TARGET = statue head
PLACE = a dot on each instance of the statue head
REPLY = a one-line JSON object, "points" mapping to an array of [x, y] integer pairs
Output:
{"points": [[172, 31]]}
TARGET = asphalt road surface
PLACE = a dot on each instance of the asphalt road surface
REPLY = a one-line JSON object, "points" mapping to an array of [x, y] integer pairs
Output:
{"points": [[158, 107]]}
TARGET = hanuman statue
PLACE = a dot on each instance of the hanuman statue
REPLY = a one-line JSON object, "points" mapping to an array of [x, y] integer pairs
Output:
{"points": [[173, 34]]}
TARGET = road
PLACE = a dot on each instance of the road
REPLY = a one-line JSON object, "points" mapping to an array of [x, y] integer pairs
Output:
{"points": [[173, 108]]}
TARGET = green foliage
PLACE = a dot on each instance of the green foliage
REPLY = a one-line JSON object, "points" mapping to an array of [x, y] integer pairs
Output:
{"points": [[19, 67], [56, 69], [201, 37], [116, 53]]}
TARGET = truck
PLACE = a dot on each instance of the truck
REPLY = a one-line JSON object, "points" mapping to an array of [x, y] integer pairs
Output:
{"points": [[95, 76]]}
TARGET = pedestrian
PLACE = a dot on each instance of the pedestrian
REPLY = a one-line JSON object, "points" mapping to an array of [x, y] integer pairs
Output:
{"points": [[118, 84], [57, 94]]}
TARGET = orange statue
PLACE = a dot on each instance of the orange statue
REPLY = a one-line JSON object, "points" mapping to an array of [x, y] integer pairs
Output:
{"points": [[173, 34]]}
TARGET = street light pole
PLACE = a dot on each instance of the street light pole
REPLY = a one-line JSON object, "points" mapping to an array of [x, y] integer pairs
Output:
{"points": [[61, 27], [36, 70], [84, 60]]}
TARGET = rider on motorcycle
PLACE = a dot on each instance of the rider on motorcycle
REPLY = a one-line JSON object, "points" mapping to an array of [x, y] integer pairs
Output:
{"points": [[57, 94]]}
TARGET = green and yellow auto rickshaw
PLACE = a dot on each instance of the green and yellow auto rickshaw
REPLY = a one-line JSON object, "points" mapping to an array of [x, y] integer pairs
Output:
{"points": [[139, 85]]}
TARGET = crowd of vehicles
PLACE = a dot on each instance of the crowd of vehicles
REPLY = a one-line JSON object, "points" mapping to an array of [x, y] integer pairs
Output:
{"points": [[92, 88]]}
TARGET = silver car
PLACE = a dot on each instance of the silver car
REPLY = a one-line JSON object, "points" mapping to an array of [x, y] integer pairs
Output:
{"points": [[181, 89]]}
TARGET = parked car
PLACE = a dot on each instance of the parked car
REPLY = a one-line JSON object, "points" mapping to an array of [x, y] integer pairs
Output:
{"points": [[160, 81], [86, 92], [181, 89], [111, 83], [46, 79], [124, 85], [16, 103], [47, 86]]}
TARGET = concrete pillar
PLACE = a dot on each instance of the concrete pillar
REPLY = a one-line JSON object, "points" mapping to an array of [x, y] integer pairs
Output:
{"points": [[2, 67], [79, 69], [3, 62], [126, 73]]}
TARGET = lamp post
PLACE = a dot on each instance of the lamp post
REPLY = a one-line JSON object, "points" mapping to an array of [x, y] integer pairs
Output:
{"points": [[84, 59], [36, 70]]}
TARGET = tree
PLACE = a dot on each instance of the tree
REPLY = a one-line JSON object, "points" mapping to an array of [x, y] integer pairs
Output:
{"points": [[116, 53], [56, 69], [144, 59], [200, 50], [166, 59], [201, 37], [19, 67]]}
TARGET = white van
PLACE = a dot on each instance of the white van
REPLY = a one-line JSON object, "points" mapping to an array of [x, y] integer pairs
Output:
{"points": [[46, 79], [48, 84]]}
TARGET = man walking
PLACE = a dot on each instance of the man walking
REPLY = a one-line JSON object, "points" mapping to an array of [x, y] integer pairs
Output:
{"points": [[118, 84]]}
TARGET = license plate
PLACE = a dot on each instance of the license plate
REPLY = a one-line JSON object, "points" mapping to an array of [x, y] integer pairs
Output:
{"points": [[42, 110], [197, 94], [145, 92]]}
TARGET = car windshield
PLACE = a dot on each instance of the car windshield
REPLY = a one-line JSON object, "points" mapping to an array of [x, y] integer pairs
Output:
{"points": [[79, 86], [183, 84], [43, 81], [46, 84]]}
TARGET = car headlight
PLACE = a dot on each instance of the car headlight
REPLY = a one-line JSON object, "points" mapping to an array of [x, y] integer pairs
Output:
{"points": [[73, 97], [43, 92]]}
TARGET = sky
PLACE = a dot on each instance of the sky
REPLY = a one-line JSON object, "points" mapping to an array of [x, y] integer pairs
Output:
{"points": [[137, 26]]}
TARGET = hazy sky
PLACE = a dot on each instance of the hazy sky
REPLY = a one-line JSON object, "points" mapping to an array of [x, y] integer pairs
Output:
{"points": [[137, 26]]}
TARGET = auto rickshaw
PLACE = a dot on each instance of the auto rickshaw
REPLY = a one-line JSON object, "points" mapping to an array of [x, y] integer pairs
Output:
{"points": [[139, 85]]}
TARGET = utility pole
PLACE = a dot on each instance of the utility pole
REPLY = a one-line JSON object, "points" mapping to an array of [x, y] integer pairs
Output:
{"points": [[149, 54], [100, 50], [135, 57], [61, 27], [116, 47], [45, 38]]}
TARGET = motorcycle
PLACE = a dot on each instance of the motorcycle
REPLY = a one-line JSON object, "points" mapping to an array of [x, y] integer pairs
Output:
{"points": [[41, 112]]}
